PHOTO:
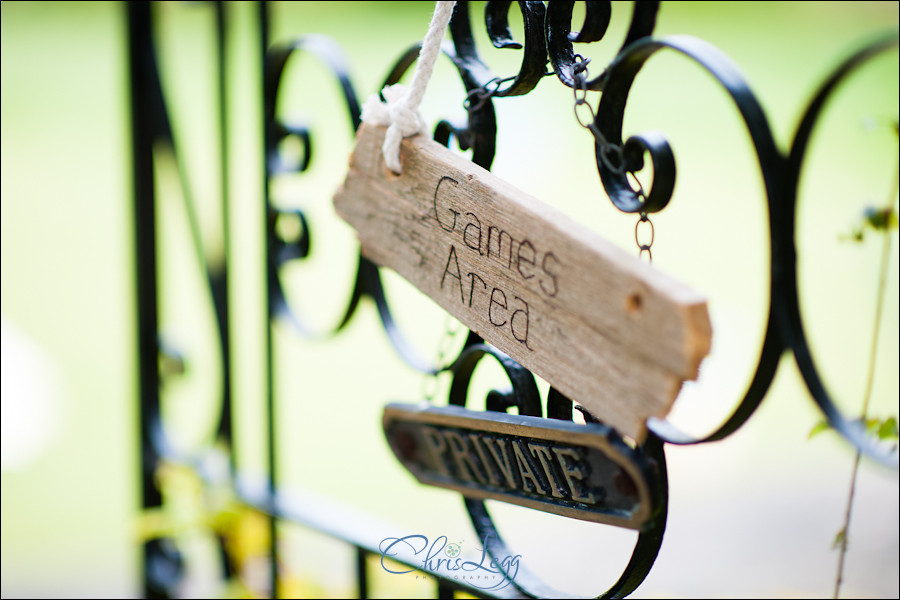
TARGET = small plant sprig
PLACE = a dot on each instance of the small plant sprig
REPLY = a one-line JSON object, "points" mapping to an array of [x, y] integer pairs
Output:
{"points": [[881, 221]]}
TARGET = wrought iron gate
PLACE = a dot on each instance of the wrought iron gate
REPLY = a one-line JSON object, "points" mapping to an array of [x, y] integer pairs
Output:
{"points": [[290, 236]]}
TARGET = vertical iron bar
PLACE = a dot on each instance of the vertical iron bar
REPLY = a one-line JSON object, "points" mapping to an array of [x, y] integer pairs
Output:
{"points": [[270, 282], [220, 279], [444, 591], [140, 49], [362, 576]]}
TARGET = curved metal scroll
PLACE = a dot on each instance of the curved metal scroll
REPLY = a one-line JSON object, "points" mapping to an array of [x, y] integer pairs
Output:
{"points": [[790, 317], [609, 119], [156, 130], [779, 173], [284, 250], [525, 397], [548, 39], [367, 280], [596, 21], [784, 330]]}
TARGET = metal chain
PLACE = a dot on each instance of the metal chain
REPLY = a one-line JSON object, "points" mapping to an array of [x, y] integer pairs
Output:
{"points": [[482, 94], [610, 154], [476, 97], [644, 247], [445, 344]]}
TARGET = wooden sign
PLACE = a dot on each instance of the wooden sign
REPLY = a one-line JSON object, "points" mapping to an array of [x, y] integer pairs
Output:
{"points": [[579, 471], [606, 329]]}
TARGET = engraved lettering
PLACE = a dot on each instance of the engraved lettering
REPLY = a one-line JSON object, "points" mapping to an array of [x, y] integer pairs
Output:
{"points": [[501, 459], [502, 247], [474, 439], [457, 277], [500, 233], [574, 474], [501, 304], [542, 453], [476, 224], [550, 274], [454, 212], [465, 465], [526, 257], [473, 277], [526, 469], [436, 447], [512, 324]]}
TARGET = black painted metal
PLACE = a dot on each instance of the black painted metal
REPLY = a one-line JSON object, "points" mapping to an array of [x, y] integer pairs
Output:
{"points": [[157, 577], [548, 44], [273, 247], [362, 577], [791, 318], [525, 398]]}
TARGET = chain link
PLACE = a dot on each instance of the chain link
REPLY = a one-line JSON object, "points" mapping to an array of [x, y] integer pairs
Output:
{"points": [[476, 97], [579, 91], [610, 154], [482, 94], [644, 247]]}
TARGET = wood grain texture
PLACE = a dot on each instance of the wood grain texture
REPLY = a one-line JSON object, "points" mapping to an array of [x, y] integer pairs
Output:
{"points": [[603, 327]]}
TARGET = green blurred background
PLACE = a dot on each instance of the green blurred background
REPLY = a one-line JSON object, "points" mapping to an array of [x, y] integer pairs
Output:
{"points": [[752, 515]]}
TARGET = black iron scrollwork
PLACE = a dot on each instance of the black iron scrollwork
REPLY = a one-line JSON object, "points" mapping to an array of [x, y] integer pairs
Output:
{"points": [[523, 395], [548, 40], [789, 312], [596, 21], [367, 281], [784, 331], [548, 48]]}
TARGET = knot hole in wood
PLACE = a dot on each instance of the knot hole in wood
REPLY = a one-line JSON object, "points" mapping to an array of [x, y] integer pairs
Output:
{"points": [[633, 302]]}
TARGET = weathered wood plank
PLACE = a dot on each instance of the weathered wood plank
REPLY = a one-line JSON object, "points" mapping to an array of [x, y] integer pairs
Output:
{"points": [[605, 328]]}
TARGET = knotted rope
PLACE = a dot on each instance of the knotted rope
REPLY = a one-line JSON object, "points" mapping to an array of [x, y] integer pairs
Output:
{"points": [[400, 111]]}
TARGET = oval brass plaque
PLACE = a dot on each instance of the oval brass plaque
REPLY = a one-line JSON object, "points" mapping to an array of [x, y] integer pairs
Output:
{"points": [[581, 471]]}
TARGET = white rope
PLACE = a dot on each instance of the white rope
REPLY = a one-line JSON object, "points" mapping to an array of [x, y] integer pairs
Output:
{"points": [[400, 111]]}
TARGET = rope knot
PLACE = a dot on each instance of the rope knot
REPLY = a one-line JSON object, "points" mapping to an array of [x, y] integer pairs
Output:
{"points": [[399, 112], [395, 114]]}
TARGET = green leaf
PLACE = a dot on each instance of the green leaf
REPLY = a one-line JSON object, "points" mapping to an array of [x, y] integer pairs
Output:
{"points": [[888, 430], [876, 219], [840, 539], [856, 235], [883, 429], [818, 428], [881, 219]]}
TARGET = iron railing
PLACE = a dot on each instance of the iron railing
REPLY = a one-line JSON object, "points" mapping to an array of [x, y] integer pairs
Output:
{"points": [[548, 58]]}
